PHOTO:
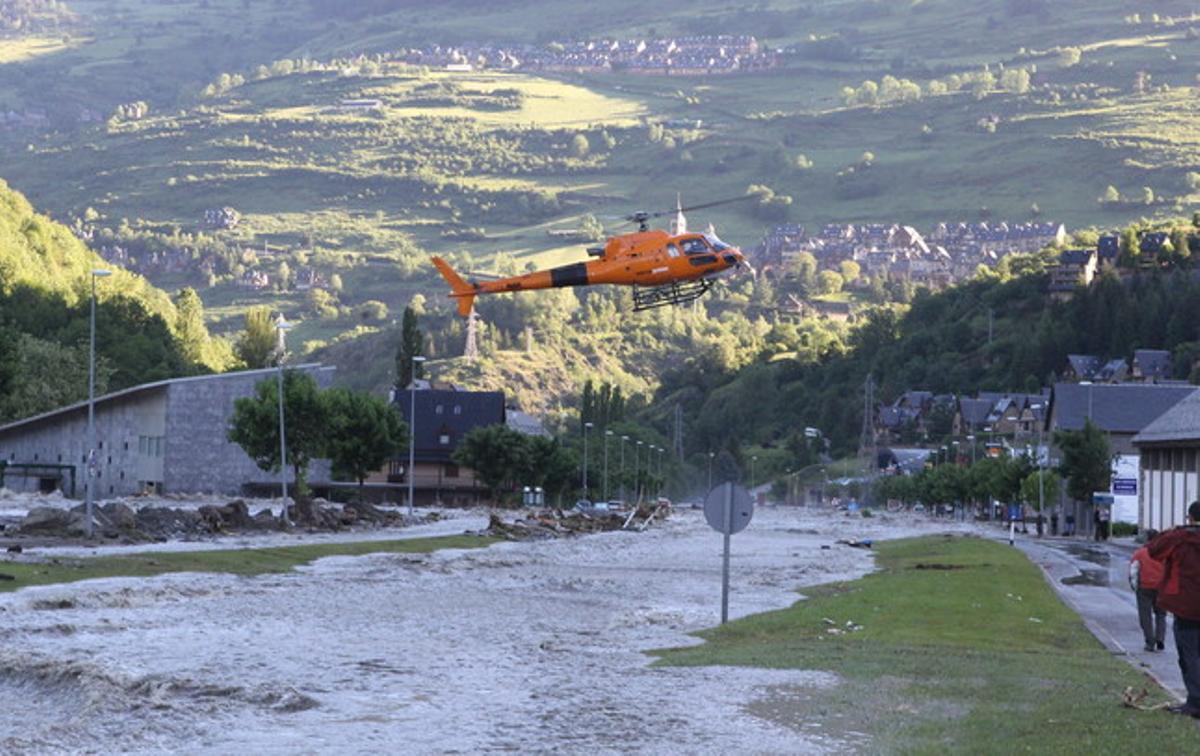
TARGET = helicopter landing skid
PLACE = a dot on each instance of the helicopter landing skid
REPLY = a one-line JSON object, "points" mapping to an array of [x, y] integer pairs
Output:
{"points": [[669, 294]]}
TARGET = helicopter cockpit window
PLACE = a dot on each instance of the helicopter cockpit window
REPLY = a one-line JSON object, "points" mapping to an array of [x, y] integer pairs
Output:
{"points": [[716, 243], [672, 250], [695, 247]]}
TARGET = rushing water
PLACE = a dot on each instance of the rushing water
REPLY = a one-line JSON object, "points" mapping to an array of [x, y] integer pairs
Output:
{"points": [[530, 647]]}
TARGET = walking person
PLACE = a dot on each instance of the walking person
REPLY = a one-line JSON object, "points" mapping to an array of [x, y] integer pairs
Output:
{"points": [[1104, 521], [1179, 594], [1145, 576]]}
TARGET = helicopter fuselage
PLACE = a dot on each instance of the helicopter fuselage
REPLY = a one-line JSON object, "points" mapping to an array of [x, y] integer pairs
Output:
{"points": [[645, 258]]}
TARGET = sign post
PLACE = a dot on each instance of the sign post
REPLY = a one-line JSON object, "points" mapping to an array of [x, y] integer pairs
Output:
{"points": [[728, 510]]}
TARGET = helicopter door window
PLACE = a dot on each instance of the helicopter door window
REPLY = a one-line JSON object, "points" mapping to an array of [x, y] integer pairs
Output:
{"points": [[672, 250], [695, 247]]}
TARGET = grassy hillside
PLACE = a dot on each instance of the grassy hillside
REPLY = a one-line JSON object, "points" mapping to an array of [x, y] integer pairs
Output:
{"points": [[45, 279], [1000, 109]]}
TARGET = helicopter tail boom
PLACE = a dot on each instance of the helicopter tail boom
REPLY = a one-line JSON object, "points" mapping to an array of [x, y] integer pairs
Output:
{"points": [[460, 289]]}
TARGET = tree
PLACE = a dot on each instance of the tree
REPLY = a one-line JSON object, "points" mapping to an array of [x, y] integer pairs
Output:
{"points": [[548, 464], [829, 282], [412, 344], [363, 431], [1086, 461], [496, 453], [256, 345], [850, 270], [1111, 196], [255, 424], [189, 325], [580, 147], [1035, 494]]}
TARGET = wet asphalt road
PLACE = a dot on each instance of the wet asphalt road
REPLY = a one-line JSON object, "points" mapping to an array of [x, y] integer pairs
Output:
{"points": [[1093, 579]]}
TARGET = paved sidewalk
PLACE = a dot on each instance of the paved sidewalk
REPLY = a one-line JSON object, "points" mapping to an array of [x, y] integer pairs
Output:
{"points": [[1098, 589]]}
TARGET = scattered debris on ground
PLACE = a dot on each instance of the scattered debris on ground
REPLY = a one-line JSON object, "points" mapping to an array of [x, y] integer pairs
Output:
{"points": [[863, 544], [553, 523], [115, 520], [1136, 699]]}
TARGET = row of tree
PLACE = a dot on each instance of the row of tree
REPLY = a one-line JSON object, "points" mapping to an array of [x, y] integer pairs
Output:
{"points": [[1085, 467], [357, 431]]}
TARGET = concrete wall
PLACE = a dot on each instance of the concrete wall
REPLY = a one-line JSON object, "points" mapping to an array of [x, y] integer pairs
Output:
{"points": [[199, 457], [169, 436], [122, 469]]}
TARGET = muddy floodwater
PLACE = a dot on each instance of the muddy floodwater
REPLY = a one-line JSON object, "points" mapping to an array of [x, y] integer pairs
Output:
{"points": [[528, 647]]}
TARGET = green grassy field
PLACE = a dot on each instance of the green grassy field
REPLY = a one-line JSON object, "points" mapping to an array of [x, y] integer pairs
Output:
{"points": [[962, 648], [245, 562]]}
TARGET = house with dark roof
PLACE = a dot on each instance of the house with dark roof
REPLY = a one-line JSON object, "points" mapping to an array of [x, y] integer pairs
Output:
{"points": [[1081, 367], [1169, 465], [443, 418], [1152, 365], [1076, 267], [1121, 410]]}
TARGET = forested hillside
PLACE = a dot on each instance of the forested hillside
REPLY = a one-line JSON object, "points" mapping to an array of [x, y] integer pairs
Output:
{"points": [[984, 336], [45, 277]]}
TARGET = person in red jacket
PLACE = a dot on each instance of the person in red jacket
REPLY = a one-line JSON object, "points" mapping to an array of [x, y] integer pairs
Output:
{"points": [[1179, 594], [1145, 574]]}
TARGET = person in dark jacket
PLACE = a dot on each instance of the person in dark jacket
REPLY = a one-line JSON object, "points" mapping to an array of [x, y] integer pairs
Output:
{"points": [[1179, 594], [1145, 575]]}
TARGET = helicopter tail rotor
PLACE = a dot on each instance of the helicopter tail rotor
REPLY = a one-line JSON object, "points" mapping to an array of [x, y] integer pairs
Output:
{"points": [[459, 289]]}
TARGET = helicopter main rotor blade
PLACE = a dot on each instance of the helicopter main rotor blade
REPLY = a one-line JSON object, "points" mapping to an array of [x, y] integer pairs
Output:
{"points": [[704, 206]]}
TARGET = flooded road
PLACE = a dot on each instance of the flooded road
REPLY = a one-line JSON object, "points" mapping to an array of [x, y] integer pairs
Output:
{"points": [[530, 647]]}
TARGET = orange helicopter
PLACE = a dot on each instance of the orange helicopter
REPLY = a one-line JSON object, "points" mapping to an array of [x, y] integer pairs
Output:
{"points": [[663, 268]]}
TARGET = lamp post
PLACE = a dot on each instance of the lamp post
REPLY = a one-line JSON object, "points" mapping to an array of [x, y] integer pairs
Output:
{"points": [[412, 430], [607, 435], [752, 461], [710, 459], [586, 428], [637, 471], [1041, 474], [623, 440], [91, 455], [662, 478], [971, 440], [281, 327]]}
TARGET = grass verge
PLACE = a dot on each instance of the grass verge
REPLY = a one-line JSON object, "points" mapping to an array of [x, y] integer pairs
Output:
{"points": [[963, 648], [235, 561]]}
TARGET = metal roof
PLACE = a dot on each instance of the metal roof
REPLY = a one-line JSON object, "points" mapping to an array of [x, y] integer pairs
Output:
{"points": [[1114, 407], [1180, 423], [146, 387]]}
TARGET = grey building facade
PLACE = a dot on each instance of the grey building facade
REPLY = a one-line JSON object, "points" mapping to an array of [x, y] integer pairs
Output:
{"points": [[168, 437]]}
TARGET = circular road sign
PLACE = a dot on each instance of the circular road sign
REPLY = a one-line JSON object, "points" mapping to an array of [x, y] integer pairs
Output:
{"points": [[714, 508]]}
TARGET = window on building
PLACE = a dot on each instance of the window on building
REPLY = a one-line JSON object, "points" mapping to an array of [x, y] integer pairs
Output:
{"points": [[437, 410], [458, 409], [444, 439]]}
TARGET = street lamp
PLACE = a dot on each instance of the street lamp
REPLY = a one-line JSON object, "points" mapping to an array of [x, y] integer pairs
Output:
{"points": [[281, 327], [637, 471], [623, 440], [412, 429], [971, 440], [710, 459], [586, 428], [662, 478], [752, 461], [1041, 473], [607, 435], [91, 455]]}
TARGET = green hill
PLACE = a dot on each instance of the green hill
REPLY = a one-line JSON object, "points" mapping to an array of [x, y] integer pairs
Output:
{"points": [[1083, 112], [45, 277], [983, 336]]}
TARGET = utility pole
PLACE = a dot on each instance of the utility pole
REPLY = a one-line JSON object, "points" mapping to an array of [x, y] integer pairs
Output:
{"points": [[866, 442]]}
